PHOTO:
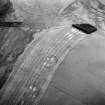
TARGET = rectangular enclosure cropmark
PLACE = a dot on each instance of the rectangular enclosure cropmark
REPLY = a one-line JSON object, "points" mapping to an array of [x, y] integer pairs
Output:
{"points": [[86, 28]]}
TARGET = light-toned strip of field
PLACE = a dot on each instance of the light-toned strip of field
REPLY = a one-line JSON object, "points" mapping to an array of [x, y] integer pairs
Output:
{"points": [[39, 62]]}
